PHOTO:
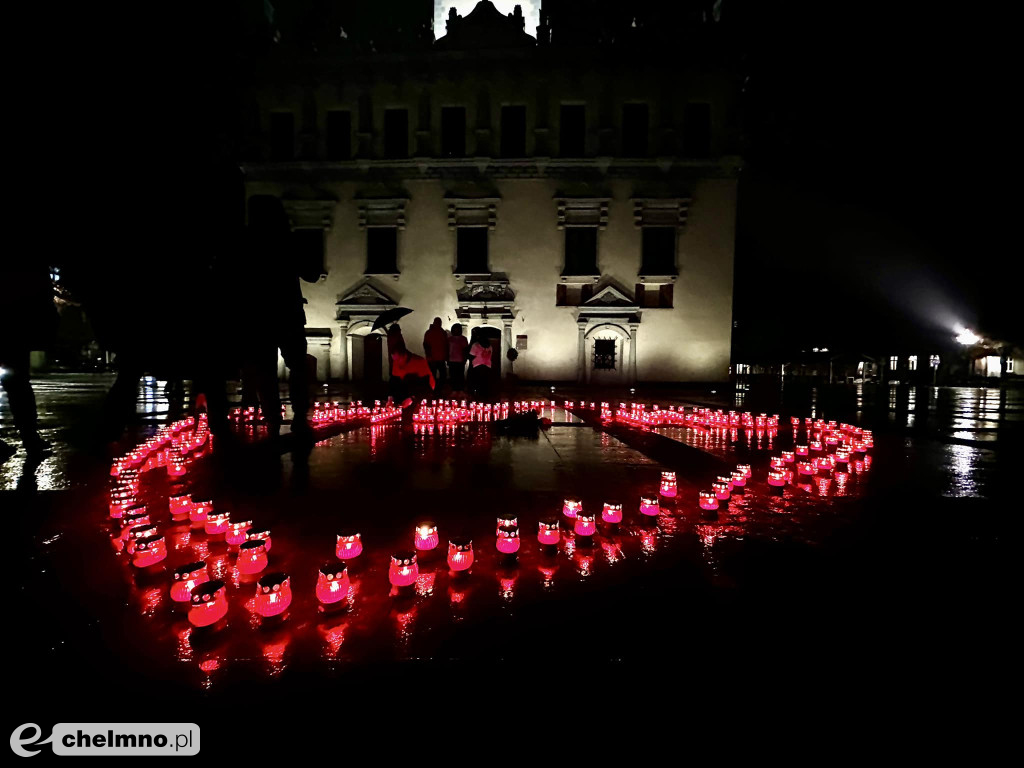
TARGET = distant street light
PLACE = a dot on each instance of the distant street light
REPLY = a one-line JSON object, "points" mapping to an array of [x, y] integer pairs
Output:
{"points": [[966, 336]]}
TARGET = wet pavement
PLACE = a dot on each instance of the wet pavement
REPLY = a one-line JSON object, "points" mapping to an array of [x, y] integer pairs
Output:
{"points": [[884, 567]]}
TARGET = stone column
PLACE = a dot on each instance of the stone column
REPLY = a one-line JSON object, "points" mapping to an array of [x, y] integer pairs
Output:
{"points": [[581, 352], [343, 354], [633, 327], [506, 345]]}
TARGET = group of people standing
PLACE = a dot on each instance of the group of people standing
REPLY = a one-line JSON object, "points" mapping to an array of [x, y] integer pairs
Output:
{"points": [[443, 364]]}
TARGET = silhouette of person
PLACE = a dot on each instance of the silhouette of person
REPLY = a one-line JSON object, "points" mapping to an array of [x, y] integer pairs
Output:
{"points": [[29, 319], [266, 293], [435, 345], [458, 347]]}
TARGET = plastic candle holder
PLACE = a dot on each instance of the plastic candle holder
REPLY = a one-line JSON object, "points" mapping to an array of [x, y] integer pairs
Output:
{"points": [[259, 534], [804, 468], [776, 478], [586, 524], [349, 545], [727, 479], [788, 457], [739, 480], [180, 506], [708, 500], [571, 507], [403, 570], [332, 583], [121, 499], [650, 506], [425, 537], [149, 551], [209, 603], [721, 491], [460, 553], [252, 556], [508, 540], [745, 469], [217, 523], [612, 512], [668, 484], [236, 532], [273, 594], [200, 510], [548, 532], [133, 533], [506, 520], [801, 450], [185, 578]]}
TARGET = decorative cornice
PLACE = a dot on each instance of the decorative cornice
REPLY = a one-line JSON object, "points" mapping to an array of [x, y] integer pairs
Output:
{"points": [[472, 212], [382, 212], [310, 214], [660, 211], [583, 212]]}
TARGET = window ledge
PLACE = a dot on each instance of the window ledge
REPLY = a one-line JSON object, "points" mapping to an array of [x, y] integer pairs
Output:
{"points": [[579, 279], [656, 279], [392, 275]]}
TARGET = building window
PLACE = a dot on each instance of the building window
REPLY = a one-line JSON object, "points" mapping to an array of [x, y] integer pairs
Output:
{"points": [[1009, 365], [742, 368], [659, 251], [382, 251], [471, 251], [934, 361], [697, 130], [396, 133], [604, 354], [894, 362], [339, 134], [453, 131], [513, 131], [580, 251], [912, 363], [308, 245], [572, 133], [282, 136], [635, 130]]}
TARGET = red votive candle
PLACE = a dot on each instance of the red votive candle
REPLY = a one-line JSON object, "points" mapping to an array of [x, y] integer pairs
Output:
{"points": [[586, 524], [236, 532], [650, 506], [612, 512], [721, 491], [259, 534], [708, 500], [745, 469], [788, 457], [133, 533], [252, 556], [425, 537], [149, 551], [668, 484], [460, 553], [209, 603], [508, 540], [217, 523], [506, 520], [571, 507], [332, 583], [179, 506], [403, 570], [349, 545], [548, 532], [273, 594], [199, 511], [739, 480], [185, 578], [776, 477]]}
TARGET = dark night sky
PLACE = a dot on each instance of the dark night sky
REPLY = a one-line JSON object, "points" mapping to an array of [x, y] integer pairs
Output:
{"points": [[872, 208]]}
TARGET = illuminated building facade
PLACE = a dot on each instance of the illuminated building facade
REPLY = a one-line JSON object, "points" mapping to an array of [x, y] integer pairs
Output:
{"points": [[572, 195]]}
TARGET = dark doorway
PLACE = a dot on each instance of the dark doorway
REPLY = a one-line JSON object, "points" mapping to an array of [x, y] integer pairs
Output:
{"points": [[371, 358]]}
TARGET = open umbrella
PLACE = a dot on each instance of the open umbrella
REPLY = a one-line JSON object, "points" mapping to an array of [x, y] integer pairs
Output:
{"points": [[389, 316]]}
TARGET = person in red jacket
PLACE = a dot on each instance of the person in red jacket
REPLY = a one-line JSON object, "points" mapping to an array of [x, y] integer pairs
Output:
{"points": [[435, 344]]}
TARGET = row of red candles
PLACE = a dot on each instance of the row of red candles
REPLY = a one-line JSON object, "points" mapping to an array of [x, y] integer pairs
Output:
{"points": [[273, 591]]}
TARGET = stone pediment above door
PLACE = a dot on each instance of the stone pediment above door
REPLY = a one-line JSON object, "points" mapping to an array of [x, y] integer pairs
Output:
{"points": [[610, 297], [364, 299]]}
